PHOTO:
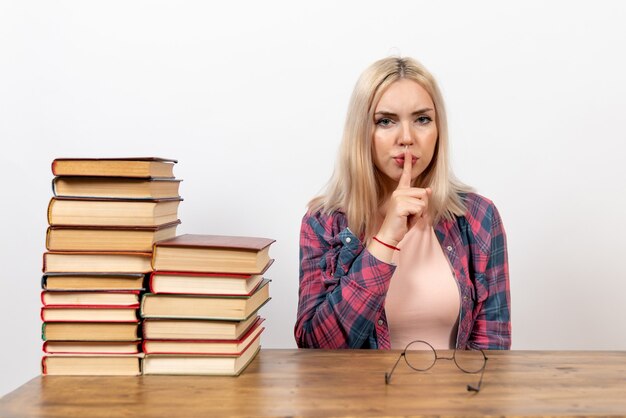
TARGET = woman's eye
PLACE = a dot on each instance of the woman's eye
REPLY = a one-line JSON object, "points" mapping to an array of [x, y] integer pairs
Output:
{"points": [[384, 122], [423, 120]]}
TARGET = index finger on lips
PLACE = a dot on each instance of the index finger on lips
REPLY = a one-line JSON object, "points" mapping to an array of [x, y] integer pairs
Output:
{"points": [[405, 178]]}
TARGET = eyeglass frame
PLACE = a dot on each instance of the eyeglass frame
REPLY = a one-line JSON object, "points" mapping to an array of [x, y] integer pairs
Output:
{"points": [[470, 388]]}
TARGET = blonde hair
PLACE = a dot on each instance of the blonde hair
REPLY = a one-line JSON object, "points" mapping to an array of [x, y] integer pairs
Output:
{"points": [[355, 186]]}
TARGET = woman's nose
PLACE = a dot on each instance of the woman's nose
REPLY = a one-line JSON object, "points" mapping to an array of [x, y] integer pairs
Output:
{"points": [[406, 135]]}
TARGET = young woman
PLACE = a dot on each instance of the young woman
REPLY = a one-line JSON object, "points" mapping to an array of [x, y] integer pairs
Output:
{"points": [[397, 249]]}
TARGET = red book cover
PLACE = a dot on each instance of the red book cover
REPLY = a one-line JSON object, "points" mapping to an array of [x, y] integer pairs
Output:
{"points": [[111, 344], [253, 333]]}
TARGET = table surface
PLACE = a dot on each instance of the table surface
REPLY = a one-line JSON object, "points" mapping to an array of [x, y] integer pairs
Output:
{"points": [[344, 383]]}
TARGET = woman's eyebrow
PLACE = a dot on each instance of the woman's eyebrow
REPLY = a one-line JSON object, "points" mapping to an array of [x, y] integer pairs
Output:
{"points": [[417, 112]]}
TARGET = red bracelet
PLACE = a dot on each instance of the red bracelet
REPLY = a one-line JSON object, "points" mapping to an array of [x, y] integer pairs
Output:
{"points": [[385, 244]]}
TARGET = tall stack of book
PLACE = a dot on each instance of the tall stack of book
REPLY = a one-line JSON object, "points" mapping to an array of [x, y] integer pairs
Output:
{"points": [[104, 218], [201, 315]]}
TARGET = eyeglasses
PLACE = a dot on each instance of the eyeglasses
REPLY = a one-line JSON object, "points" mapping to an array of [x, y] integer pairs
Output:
{"points": [[421, 356]]}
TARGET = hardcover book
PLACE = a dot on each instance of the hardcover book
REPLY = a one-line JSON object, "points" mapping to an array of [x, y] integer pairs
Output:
{"points": [[214, 347], [114, 167], [89, 314], [204, 307], [197, 329], [109, 212], [91, 347], [92, 281], [107, 238], [204, 283], [94, 262], [212, 253], [91, 365], [115, 187], [200, 364], [95, 298], [89, 331]]}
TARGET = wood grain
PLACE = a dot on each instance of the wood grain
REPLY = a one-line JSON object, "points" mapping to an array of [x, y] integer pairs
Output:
{"points": [[344, 383]]}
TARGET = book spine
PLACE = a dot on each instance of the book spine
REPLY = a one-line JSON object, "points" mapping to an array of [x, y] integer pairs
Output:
{"points": [[43, 331], [44, 282], [44, 371], [54, 187], [150, 282], [50, 204], [48, 239]]}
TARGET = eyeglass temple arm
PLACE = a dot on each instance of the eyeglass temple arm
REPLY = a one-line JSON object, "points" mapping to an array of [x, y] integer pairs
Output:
{"points": [[388, 375], [476, 388]]}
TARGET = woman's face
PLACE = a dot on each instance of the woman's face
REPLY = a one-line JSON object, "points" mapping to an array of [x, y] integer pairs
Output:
{"points": [[404, 116]]}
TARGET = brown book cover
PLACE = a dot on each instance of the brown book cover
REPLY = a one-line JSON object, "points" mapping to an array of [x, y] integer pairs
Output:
{"points": [[218, 241], [125, 167], [108, 237], [212, 253]]}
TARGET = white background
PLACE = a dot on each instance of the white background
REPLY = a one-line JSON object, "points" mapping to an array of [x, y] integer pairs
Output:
{"points": [[250, 97]]}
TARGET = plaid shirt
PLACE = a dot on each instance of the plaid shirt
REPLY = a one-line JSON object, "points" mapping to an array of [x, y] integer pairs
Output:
{"points": [[343, 287]]}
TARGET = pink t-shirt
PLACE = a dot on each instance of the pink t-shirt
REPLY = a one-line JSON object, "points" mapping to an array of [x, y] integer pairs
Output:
{"points": [[423, 299]]}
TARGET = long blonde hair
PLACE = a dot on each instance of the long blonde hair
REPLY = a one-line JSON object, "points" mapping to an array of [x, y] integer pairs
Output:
{"points": [[355, 186]]}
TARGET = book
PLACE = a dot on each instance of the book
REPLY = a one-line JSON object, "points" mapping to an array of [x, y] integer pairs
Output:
{"points": [[91, 347], [92, 281], [212, 253], [114, 167], [203, 283], [107, 238], [89, 314], [89, 331], [91, 365], [115, 187], [94, 262], [117, 213], [223, 347], [236, 308], [188, 329], [76, 299], [200, 364]]}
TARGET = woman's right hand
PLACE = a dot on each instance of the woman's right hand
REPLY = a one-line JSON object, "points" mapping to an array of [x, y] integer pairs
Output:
{"points": [[405, 206]]}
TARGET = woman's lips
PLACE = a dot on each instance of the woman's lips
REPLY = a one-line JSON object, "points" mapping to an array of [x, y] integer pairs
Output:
{"points": [[400, 160]]}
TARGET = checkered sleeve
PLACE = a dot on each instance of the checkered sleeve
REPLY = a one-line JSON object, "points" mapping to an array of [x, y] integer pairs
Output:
{"points": [[492, 326], [342, 286]]}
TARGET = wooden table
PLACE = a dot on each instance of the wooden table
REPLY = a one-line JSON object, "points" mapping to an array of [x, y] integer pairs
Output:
{"points": [[343, 383]]}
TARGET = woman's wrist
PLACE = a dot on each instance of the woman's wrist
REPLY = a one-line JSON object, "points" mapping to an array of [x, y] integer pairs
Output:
{"points": [[390, 246], [380, 251]]}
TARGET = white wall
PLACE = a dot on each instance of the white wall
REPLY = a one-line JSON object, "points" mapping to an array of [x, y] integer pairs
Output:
{"points": [[250, 98]]}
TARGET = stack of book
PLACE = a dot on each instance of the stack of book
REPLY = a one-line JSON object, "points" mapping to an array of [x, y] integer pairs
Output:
{"points": [[104, 218], [201, 315]]}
